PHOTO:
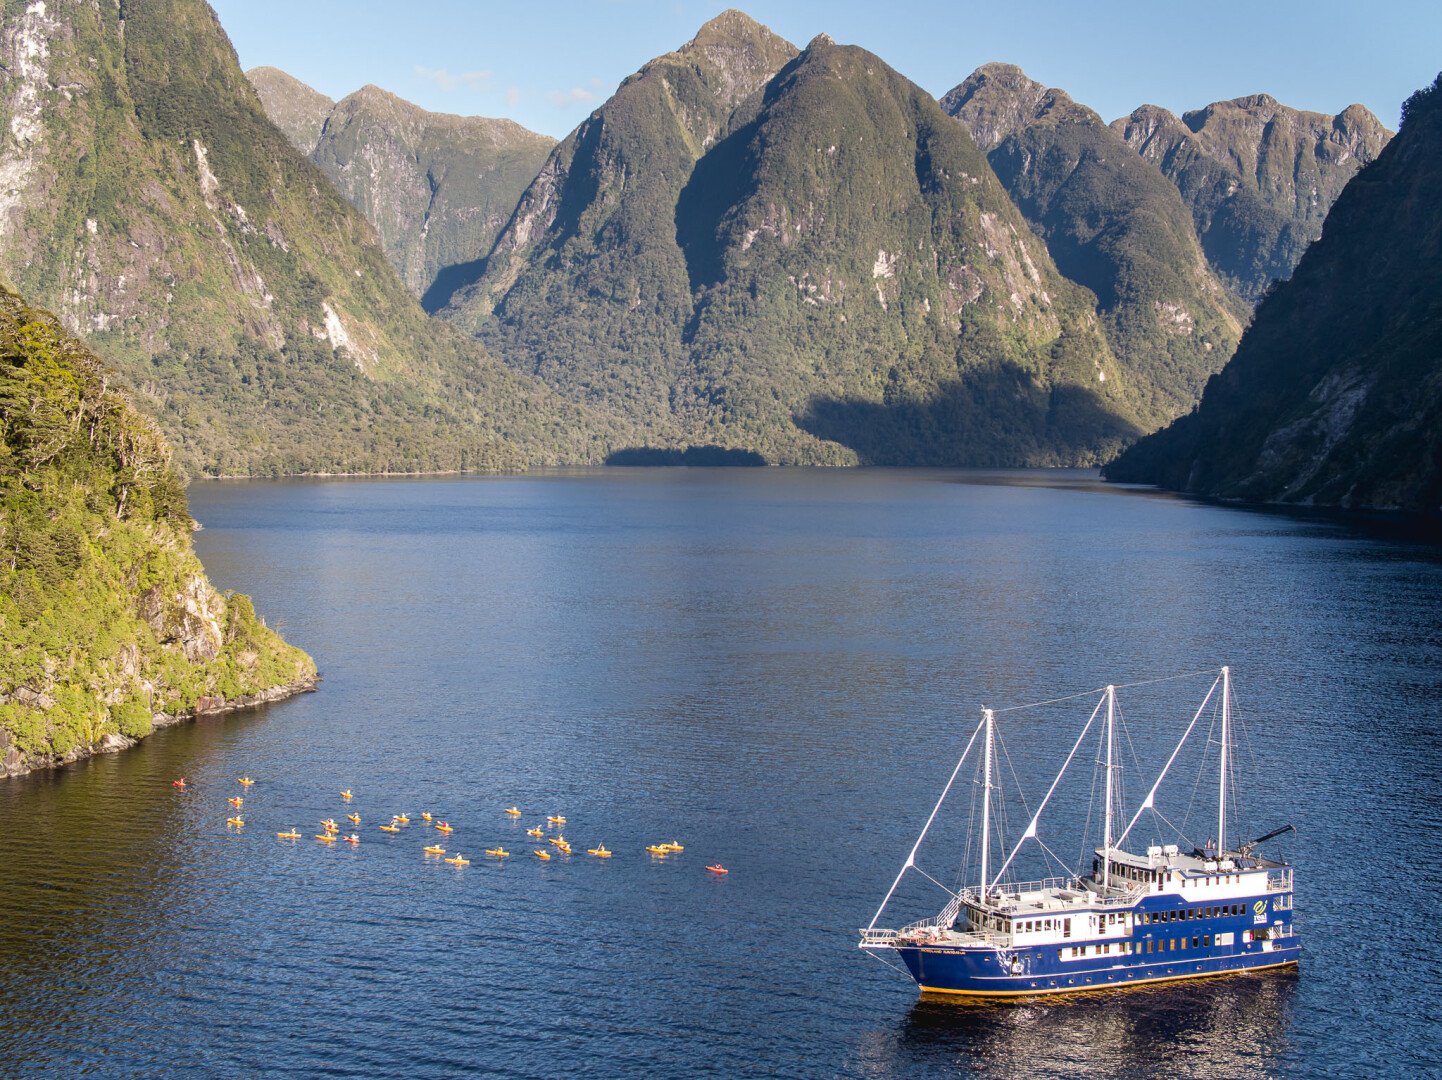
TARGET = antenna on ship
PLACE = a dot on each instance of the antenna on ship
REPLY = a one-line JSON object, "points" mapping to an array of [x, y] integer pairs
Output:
{"points": [[1222, 781], [1107, 828], [988, 719]]}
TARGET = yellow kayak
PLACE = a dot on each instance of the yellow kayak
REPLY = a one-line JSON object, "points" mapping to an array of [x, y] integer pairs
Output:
{"points": [[498, 852], [657, 849], [400, 819], [390, 828], [538, 853], [235, 821], [435, 849], [556, 819], [345, 794], [292, 835], [672, 846], [514, 811], [459, 860], [444, 828], [236, 802], [354, 819], [538, 831], [325, 837], [247, 781], [599, 852], [425, 815]]}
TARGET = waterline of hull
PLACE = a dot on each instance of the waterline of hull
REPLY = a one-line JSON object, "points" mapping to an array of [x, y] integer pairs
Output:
{"points": [[1108, 984]]}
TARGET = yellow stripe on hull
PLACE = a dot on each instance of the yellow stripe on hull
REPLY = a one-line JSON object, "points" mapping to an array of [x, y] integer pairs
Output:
{"points": [[1106, 985]]}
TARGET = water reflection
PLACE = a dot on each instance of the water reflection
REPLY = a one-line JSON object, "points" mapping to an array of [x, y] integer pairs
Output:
{"points": [[1229, 1027]]}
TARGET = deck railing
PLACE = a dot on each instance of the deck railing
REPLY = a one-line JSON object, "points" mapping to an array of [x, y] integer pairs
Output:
{"points": [[1280, 881]]}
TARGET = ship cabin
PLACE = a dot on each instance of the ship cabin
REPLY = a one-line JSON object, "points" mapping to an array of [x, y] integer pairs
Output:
{"points": [[1164, 885]]}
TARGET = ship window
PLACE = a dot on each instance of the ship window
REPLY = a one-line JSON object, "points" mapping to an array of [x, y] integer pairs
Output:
{"points": [[1066, 928], [1207, 940], [1194, 943], [1149, 944], [1171, 944]]}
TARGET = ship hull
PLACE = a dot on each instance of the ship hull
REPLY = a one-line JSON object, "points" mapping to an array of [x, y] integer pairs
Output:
{"points": [[987, 973]]}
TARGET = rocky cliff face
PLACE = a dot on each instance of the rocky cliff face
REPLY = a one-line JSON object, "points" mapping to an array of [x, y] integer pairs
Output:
{"points": [[108, 625], [1113, 224], [437, 188], [148, 201], [1334, 396], [1258, 177], [803, 256]]}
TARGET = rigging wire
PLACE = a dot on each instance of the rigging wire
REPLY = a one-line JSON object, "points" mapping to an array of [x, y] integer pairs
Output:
{"points": [[1103, 690]]}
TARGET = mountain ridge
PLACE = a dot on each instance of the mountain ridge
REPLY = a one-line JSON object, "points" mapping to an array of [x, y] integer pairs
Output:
{"points": [[1334, 396], [1113, 224]]}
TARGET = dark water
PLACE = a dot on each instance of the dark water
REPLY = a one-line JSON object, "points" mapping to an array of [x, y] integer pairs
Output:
{"points": [[777, 668]]}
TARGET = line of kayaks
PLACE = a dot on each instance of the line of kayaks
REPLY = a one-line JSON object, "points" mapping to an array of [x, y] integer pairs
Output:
{"points": [[398, 821]]}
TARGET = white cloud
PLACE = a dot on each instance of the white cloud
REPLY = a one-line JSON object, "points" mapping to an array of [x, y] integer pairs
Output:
{"points": [[513, 95], [449, 82], [575, 96]]}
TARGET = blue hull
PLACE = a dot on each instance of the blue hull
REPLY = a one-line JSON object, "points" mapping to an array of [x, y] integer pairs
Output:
{"points": [[955, 971]]}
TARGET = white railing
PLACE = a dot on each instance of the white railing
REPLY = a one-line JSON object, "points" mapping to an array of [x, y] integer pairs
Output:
{"points": [[1281, 882]]}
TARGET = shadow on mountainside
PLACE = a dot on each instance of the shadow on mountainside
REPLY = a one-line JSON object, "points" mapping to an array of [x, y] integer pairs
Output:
{"points": [[449, 281], [993, 418], [691, 455]]}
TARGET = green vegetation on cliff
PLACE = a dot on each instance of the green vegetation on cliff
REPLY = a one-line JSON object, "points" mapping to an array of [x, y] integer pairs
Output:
{"points": [[149, 202], [1334, 396], [799, 255], [1258, 177], [437, 188], [1113, 224], [106, 617]]}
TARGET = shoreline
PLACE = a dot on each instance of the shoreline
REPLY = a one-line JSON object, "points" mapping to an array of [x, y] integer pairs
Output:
{"points": [[14, 765]]}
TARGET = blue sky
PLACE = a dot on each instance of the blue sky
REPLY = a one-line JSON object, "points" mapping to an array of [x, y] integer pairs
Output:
{"points": [[548, 63]]}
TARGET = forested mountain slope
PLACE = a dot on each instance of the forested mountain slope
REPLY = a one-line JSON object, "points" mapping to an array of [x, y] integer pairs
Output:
{"points": [[1334, 396], [106, 616]]}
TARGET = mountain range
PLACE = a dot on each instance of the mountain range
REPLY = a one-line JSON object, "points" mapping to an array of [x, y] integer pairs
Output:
{"points": [[802, 255], [1258, 177], [1334, 396], [797, 255], [149, 202], [436, 187]]}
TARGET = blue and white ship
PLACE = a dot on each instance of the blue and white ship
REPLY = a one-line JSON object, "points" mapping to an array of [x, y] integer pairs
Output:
{"points": [[1160, 914]]}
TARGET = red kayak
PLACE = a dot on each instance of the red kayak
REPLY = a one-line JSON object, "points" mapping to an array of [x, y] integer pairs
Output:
{"points": [[718, 869], [178, 783]]}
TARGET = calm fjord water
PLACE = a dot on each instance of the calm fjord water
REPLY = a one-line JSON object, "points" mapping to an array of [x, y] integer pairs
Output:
{"points": [[776, 667]]}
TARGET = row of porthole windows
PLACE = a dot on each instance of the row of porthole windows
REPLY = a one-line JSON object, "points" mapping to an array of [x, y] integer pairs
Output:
{"points": [[1124, 948], [1215, 912]]}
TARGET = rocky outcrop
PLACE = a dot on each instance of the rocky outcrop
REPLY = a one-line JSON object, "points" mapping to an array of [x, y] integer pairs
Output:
{"points": [[1334, 397], [1258, 177], [108, 624], [13, 762], [1114, 225]]}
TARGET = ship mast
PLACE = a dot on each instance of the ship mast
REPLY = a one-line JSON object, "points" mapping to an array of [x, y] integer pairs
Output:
{"points": [[1107, 828], [986, 804], [1222, 781]]}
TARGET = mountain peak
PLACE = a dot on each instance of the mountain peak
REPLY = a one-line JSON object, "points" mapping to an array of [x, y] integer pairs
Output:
{"points": [[731, 27], [997, 100], [297, 109]]}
